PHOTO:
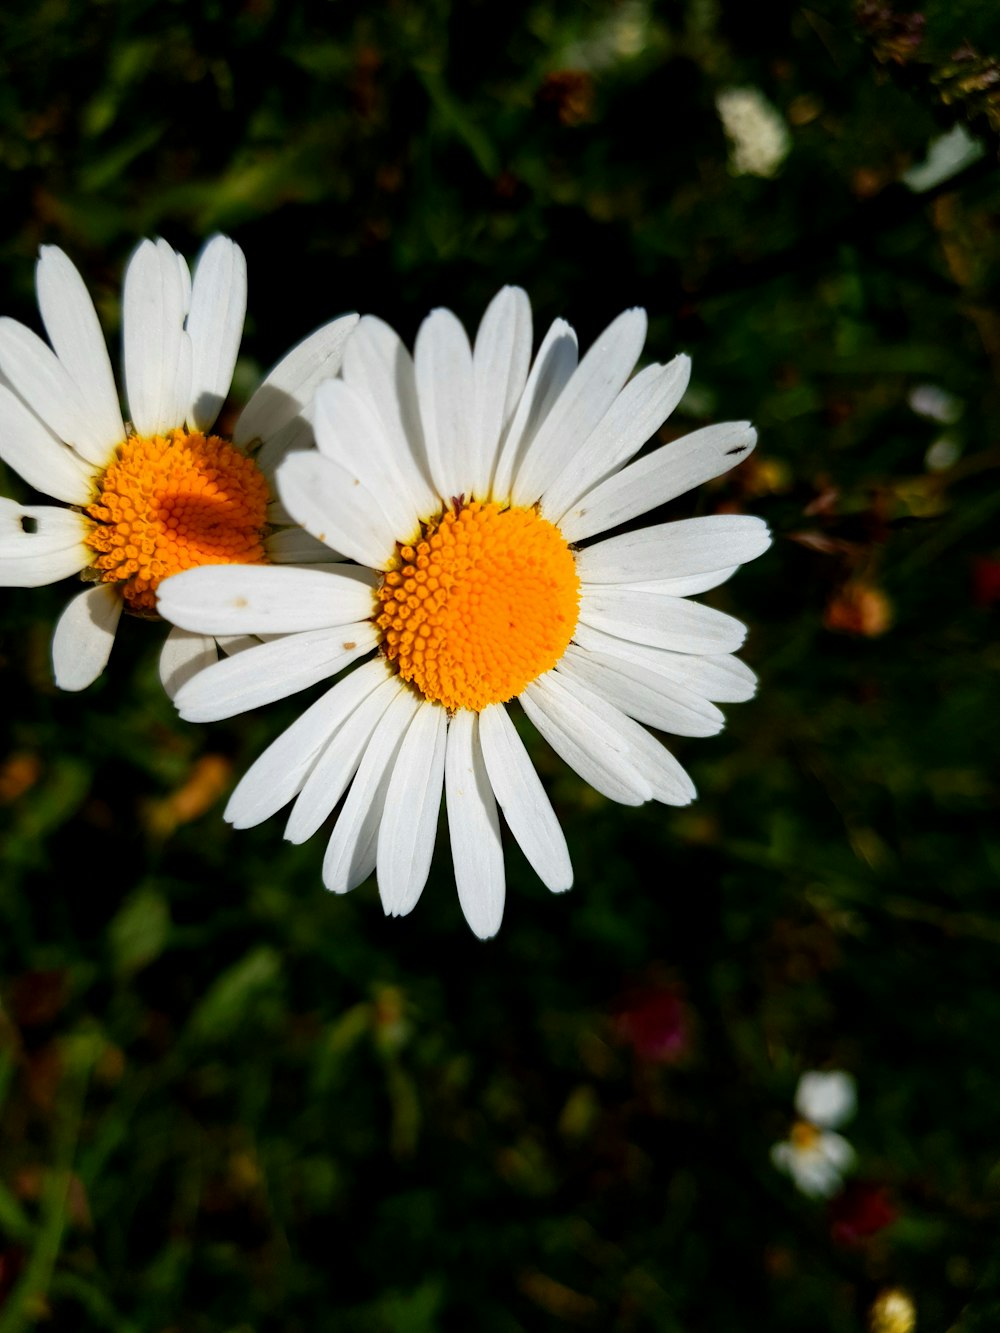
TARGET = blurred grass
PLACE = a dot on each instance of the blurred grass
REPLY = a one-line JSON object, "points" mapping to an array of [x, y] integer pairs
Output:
{"points": [[232, 1102]]}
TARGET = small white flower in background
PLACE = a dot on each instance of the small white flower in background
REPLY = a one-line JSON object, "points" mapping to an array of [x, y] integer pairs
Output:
{"points": [[163, 493], [947, 155], [814, 1155], [467, 484], [757, 132], [930, 400]]}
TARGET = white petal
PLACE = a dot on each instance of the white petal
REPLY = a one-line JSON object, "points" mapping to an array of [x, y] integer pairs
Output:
{"points": [[595, 384], [75, 332], [231, 644], [633, 418], [332, 772], [35, 454], [295, 546], [378, 365], [586, 741], [156, 350], [215, 326], [445, 390], [523, 799], [83, 636], [552, 370], [265, 599], [688, 546], [275, 777], [721, 678], [474, 828], [332, 504], [687, 585], [658, 477], [500, 362], [643, 694], [40, 544], [40, 378], [289, 386], [297, 434], [406, 837], [654, 764], [826, 1097], [351, 852], [662, 622], [182, 656], [349, 433], [272, 671]]}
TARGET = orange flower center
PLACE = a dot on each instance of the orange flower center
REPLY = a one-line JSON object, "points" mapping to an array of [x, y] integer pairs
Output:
{"points": [[171, 502], [486, 602]]}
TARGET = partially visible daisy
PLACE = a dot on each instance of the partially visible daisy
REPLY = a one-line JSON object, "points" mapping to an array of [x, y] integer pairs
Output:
{"points": [[813, 1155], [467, 483], [161, 493]]}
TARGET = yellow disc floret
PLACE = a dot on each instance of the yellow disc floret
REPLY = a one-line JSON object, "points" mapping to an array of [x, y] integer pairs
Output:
{"points": [[171, 502], [483, 604]]}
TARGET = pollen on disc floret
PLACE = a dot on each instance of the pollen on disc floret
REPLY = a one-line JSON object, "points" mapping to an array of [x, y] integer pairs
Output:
{"points": [[171, 502], [481, 606]]}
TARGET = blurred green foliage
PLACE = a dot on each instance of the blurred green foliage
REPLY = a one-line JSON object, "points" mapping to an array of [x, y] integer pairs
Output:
{"points": [[231, 1102]]}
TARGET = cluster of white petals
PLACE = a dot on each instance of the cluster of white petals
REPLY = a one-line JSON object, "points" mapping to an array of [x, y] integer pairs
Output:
{"points": [[366, 449], [814, 1155]]}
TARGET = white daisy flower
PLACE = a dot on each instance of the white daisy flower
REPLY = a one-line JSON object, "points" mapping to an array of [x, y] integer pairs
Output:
{"points": [[466, 483], [813, 1155], [162, 493]]}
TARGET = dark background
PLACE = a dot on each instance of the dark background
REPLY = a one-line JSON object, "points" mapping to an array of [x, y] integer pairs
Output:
{"points": [[234, 1103]]}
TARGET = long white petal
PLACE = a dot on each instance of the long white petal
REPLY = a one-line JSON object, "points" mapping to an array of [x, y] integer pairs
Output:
{"points": [[687, 546], [443, 360], [585, 741], [406, 835], [265, 599], [474, 828], [334, 506], [182, 656], [351, 852], [686, 585], [653, 763], [75, 332], [643, 694], [40, 378], [663, 622], [295, 546], [595, 384], [332, 772], [377, 364], [40, 544], [633, 418], [500, 361], [551, 371], [275, 777], [658, 477], [349, 432], [523, 799], [296, 434], [215, 326], [44, 462], [718, 677], [155, 346], [272, 671], [84, 634], [288, 388]]}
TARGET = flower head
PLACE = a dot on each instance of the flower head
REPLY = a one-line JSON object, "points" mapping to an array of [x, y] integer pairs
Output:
{"points": [[464, 486], [813, 1155], [162, 493]]}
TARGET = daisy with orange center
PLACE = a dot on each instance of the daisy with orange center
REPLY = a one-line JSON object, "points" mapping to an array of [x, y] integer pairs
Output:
{"points": [[162, 494], [465, 484]]}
